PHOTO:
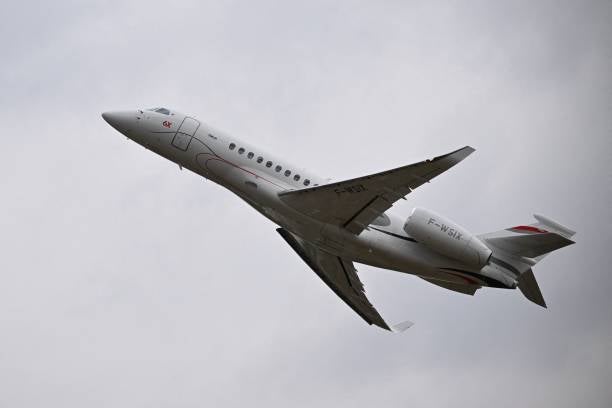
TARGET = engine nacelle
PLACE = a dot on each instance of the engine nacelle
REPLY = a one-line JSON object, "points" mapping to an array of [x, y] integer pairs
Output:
{"points": [[446, 238]]}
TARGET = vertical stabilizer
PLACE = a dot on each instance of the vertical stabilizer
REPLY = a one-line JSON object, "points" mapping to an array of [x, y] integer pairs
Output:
{"points": [[529, 286], [519, 248]]}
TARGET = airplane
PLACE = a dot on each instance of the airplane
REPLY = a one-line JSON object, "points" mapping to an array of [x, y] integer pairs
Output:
{"points": [[332, 225]]}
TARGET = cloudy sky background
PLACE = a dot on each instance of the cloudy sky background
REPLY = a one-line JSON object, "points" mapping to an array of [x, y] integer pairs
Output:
{"points": [[125, 282]]}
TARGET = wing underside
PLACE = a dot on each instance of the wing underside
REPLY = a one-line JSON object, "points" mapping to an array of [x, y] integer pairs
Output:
{"points": [[354, 204], [341, 277]]}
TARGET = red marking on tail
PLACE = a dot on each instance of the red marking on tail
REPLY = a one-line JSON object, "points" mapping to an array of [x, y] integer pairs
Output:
{"points": [[528, 228]]}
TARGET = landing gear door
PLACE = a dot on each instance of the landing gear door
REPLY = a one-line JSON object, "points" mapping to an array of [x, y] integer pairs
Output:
{"points": [[185, 133]]}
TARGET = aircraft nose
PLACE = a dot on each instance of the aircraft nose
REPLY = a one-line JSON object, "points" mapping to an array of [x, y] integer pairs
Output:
{"points": [[123, 121]]}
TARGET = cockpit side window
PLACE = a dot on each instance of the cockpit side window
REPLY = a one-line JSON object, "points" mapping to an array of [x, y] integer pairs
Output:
{"points": [[163, 111]]}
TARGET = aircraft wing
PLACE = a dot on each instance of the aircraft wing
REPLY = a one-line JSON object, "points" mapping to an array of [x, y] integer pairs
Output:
{"points": [[341, 277], [354, 204]]}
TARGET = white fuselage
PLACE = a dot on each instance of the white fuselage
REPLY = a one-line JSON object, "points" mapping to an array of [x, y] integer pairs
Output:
{"points": [[236, 165]]}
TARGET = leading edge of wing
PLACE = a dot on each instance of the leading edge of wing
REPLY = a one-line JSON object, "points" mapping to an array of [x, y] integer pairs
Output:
{"points": [[455, 157]]}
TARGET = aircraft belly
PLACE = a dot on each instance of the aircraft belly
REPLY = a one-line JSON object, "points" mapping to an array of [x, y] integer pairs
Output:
{"points": [[401, 254], [388, 252], [394, 251]]}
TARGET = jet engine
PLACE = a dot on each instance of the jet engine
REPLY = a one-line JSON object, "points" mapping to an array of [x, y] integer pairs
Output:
{"points": [[446, 238]]}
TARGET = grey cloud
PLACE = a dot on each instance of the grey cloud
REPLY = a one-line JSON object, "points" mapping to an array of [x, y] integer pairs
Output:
{"points": [[126, 282]]}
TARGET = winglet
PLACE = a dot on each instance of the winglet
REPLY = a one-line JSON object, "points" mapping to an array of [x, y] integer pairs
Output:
{"points": [[401, 327]]}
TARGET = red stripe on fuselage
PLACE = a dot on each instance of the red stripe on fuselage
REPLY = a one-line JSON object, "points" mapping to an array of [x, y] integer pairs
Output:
{"points": [[468, 280], [219, 158]]}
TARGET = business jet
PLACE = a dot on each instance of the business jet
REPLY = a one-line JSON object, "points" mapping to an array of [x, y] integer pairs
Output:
{"points": [[332, 225]]}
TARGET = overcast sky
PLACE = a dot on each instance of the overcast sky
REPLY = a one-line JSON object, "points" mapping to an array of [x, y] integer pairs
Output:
{"points": [[125, 282]]}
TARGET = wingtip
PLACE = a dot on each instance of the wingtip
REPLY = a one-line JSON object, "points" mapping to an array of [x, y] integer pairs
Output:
{"points": [[457, 155], [402, 327], [465, 151]]}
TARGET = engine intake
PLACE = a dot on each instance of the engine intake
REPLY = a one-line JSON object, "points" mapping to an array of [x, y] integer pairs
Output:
{"points": [[447, 238]]}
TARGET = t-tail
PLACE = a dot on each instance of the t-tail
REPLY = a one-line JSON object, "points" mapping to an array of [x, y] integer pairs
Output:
{"points": [[516, 250]]}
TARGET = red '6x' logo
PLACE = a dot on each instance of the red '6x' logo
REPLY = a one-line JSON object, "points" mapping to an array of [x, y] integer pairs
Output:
{"points": [[167, 123]]}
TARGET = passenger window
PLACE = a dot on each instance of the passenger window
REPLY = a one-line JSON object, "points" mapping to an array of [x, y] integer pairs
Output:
{"points": [[232, 146], [268, 164], [287, 173], [241, 150], [250, 155], [259, 159], [278, 168], [296, 177], [306, 182]]}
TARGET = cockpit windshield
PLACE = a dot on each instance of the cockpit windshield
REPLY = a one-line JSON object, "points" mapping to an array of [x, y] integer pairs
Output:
{"points": [[163, 111]]}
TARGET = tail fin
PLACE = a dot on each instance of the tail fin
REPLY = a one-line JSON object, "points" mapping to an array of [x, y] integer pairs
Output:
{"points": [[529, 286], [523, 246]]}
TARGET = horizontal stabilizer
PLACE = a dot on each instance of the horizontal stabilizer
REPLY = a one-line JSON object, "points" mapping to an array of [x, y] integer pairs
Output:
{"points": [[530, 245], [518, 248], [553, 226], [529, 286]]}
